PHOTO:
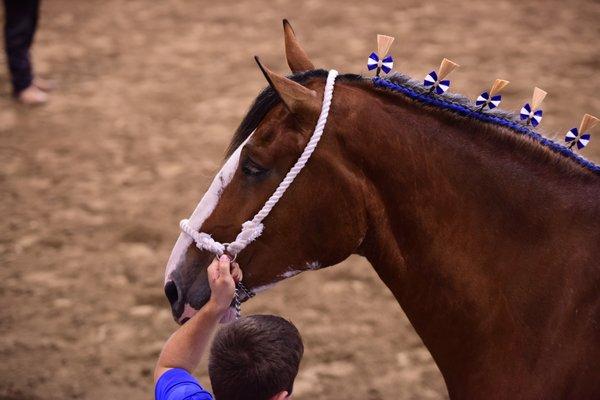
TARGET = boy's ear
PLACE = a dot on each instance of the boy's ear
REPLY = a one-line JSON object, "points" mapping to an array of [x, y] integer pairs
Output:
{"points": [[280, 396]]}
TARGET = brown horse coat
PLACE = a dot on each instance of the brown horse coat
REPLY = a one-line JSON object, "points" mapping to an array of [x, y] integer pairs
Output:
{"points": [[489, 240]]}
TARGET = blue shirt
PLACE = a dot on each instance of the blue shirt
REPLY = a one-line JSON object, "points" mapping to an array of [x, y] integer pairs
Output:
{"points": [[178, 384]]}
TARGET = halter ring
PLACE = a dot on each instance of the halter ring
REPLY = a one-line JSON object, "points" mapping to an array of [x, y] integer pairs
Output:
{"points": [[231, 258]]}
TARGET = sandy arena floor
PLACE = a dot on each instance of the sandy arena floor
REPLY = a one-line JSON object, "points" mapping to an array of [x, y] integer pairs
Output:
{"points": [[92, 185]]}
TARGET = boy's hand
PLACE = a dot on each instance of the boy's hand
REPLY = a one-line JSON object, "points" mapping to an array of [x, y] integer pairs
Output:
{"points": [[222, 278], [187, 345]]}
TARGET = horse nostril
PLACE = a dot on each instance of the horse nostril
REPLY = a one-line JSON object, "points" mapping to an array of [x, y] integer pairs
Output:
{"points": [[172, 293]]}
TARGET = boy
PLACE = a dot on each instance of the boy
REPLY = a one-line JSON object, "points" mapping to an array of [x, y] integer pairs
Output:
{"points": [[253, 358]]}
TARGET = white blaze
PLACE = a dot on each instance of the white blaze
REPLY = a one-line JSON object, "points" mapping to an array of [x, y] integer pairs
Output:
{"points": [[205, 208]]}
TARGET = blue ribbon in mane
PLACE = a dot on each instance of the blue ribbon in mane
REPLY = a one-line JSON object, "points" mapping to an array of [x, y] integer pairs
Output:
{"points": [[441, 102]]}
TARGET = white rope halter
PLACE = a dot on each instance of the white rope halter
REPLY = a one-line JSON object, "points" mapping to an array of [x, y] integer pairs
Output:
{"points": [[253, 229]]}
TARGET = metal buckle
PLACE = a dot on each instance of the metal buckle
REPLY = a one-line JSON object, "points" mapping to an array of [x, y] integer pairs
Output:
{"points": [[231, 258]]}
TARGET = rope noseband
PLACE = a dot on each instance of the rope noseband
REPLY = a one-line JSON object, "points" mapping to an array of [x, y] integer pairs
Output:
{"points": [[253, 228]]}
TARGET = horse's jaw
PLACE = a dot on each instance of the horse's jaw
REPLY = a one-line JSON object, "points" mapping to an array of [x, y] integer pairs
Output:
{"points": [[190, 310]]}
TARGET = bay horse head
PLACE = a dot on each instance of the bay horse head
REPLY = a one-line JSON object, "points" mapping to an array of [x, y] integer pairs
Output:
{"points": [[319, 220]]}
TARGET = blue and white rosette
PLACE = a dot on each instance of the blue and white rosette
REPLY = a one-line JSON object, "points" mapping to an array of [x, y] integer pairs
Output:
{"points": [[573, 138], [431, 81], [484, 101], [533, 117], [384, 65]]}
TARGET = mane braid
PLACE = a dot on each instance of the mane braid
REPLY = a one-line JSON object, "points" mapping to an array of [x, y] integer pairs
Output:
{"points": [[461, 105], [454, 103]]}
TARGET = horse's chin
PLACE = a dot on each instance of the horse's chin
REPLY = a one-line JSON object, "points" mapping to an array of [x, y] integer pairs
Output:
{"points": [[188, 312]]}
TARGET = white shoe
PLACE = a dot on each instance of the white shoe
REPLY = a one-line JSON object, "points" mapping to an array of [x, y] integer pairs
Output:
{"points": [[32, 96]]}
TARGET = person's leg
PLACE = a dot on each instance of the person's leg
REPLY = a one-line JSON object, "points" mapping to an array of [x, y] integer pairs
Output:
{"points": [[42, 84], [19, 31]]}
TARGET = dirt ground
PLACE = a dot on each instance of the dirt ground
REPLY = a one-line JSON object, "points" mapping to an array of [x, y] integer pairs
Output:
{"points": [[92, 185]]}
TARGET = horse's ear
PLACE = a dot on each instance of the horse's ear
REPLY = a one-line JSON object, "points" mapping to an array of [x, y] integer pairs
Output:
{"points": [[294, 53], [296, 97]]}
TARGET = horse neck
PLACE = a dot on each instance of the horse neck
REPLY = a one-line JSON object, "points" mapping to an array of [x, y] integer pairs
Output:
{"points": [[479, 235]]}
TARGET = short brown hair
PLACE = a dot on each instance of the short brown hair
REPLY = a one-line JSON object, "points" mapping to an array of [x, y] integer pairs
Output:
{"points": [[254, 358]]}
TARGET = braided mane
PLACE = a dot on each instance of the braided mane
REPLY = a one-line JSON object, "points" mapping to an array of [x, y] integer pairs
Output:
{"points": [[452, 102]]}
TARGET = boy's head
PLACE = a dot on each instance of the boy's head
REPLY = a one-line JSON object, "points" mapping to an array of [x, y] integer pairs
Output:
{"points": [[255, 358]]}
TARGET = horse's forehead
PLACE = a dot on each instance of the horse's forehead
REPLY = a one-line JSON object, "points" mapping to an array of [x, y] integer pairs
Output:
{"points": [[274, 119], [272, 130]]}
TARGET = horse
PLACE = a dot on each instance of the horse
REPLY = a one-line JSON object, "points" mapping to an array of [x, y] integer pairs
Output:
{"points": [[486, 232]]}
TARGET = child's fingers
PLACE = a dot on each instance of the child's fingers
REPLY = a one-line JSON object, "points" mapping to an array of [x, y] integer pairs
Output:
{"points": [[212, 270], [236, 272], [224, 266]]}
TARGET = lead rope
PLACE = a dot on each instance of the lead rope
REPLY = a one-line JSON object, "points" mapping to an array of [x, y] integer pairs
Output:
{"points": [[237, 303], [252, 229], [237, 300]]}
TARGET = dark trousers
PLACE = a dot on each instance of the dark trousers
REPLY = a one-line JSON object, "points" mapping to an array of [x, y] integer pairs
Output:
{"points": [[19, 30]]}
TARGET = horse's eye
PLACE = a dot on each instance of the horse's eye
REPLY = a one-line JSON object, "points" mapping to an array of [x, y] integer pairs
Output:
{"points": [[250, 168]]}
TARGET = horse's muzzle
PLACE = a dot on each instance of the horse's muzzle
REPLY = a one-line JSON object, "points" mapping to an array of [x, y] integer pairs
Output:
{"points": [[175, 298]]}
